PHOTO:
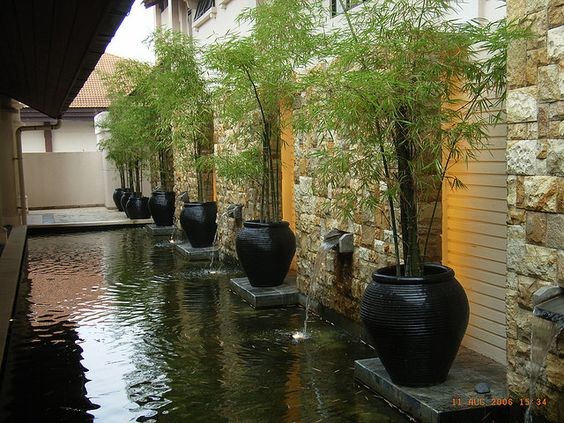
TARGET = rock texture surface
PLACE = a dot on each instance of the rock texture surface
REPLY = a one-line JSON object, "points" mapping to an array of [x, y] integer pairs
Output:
{"points": [[535, 157]]}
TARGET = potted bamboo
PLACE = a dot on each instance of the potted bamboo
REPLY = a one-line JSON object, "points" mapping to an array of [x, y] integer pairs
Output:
{"points": [[185, 126], [404, 96], [116, 156], [254, 78], [130, 124]]}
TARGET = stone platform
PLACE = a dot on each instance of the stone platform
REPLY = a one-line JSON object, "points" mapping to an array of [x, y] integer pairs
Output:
{"points": [[155, 230], [196, 254], [455, 400], [283, 295]]}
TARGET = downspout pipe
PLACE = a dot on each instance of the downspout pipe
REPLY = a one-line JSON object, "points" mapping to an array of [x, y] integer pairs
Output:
{"points": [[19, 158]]}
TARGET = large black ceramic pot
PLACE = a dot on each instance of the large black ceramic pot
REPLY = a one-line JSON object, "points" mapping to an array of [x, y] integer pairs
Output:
{"points": [[198, 222], [124, 199], [265, 251], [137, 207], [417, 323], [161, 205], [118, 193]]}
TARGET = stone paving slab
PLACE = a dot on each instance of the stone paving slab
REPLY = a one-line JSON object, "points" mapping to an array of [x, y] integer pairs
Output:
{"points": [[155, 230], [80, 217], [455, 400], [196, 254], [286, 294]]}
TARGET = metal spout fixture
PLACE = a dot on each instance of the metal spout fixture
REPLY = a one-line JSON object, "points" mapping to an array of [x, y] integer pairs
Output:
{"points": [[235, 211], [340, 241], [183, 196]]}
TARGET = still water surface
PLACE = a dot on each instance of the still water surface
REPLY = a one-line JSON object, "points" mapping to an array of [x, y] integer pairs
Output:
{"points": [[114, 327]]}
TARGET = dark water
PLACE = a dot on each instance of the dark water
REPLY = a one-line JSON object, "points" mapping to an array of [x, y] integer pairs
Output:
{"points": [[113, 326]]}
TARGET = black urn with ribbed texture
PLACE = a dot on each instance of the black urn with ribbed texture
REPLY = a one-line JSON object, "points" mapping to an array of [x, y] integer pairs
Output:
{"points": [[265, 251], [137, 207], [118, 193], [124, 199], [161, 206], [416, 323], [198, 222]]}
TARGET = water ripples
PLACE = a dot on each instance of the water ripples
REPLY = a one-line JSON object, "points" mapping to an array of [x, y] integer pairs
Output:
{"points": [[115, 327]]}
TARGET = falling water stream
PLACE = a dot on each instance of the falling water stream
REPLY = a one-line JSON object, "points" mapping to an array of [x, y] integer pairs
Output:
{"points": [[543, 334], [220, 220], [173, 232], [330, 241]]}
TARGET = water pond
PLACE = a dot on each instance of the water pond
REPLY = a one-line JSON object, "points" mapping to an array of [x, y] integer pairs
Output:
{"points": [[113, 326]]}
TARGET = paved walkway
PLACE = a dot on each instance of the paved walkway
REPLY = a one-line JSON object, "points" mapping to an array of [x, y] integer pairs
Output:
{"points": [[78, 217]]}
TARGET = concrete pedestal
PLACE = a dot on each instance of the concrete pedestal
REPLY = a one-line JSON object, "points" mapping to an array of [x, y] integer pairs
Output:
{"points": [[455, 400], [197, 254], [283, 295], [155, 230]]}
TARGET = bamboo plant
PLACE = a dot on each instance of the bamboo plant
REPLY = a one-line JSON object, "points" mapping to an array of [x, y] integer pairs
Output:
{"points": [[181, 101], [253, 77], [129, 121], [404, 94]]}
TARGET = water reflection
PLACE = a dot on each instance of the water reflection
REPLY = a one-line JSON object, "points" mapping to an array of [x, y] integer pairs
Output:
{"points": [[149, 337]]}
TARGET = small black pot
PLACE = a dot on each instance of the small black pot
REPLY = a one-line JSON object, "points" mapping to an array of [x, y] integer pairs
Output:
{"points": [[198, 222], [137, 207], [161, 206], [265, 251], [124, 199], [416, 323], [118, 193]]}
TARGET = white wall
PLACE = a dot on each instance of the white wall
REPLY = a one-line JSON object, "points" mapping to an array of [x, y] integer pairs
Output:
{"points": [[492, 10], [63, 179], [72, 136], [210, 26], [33, 142], [223, 20], [223, 17]]}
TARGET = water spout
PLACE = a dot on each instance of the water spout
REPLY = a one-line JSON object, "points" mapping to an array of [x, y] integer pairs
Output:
{"points": [[340, 241], [336, 240], [183, 196], [547, 325], [235, 211]]}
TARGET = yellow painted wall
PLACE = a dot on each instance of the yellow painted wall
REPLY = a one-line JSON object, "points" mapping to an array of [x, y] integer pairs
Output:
{"points": [[287, 159]]}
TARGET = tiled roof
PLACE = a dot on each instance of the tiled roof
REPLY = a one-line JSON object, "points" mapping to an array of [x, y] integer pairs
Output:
{"points": [[93, 93]]}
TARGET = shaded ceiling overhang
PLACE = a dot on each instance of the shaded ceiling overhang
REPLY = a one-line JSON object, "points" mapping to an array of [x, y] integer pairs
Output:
{"points": [[150, 3], [48, 48]]}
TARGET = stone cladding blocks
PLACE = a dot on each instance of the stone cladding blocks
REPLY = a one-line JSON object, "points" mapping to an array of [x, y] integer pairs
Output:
{"points": [[535, 164]]}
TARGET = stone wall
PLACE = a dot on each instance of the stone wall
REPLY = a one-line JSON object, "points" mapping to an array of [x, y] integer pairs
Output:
{"points": [[342, 277], [535, 167], [230, 193]]}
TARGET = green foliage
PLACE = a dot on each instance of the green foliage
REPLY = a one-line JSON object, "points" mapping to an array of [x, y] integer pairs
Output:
{"points": [[404, 95], [161, 108], [130, 119], [253, 76], [182, 95], [181, 98]]}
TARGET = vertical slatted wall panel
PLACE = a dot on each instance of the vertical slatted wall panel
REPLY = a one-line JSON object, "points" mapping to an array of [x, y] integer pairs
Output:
{"points": [[474, 243]]}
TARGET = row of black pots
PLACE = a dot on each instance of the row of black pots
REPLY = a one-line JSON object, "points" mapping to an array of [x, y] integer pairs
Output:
{"points": [[160, 206], [133, 204], [415, 323], [198, 220]]}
